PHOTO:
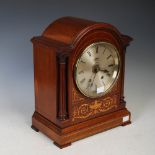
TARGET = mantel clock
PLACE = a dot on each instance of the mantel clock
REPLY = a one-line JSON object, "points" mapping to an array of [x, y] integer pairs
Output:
{"points": [[79, 79]]}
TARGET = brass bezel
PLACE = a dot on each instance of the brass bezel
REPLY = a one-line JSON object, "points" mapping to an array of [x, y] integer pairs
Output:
{"points": [[115, 78]]}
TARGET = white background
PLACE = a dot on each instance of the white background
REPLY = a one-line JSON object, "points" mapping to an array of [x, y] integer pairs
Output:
{"points": [[21, 20]]}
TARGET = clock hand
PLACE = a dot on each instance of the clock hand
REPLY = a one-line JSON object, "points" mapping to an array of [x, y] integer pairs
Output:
{"points": [[104, 70], [103, 82], [93, 79], [89, 82], [97, 49]]}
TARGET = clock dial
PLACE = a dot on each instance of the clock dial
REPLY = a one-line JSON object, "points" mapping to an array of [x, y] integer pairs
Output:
{"points": [[97, 69]]}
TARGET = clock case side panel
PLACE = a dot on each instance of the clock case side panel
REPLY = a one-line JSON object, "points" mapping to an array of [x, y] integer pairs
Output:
{"points": [[117, 91], [45, 82], [125, 43], [52, 103]]}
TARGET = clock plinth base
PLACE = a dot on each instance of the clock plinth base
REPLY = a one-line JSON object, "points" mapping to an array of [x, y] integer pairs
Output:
{"points": [[63, 137], [126, 123], [34, 128], [62, 146]]}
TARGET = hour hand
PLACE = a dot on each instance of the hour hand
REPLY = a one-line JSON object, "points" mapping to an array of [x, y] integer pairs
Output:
{"points": [[91, 81], [89, 84]]}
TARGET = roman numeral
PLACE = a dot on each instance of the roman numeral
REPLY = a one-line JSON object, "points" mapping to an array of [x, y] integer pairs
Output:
{"points": [[104, 50], [83, 61], [89, 53], [96, 59], [96, 49], [82, 80], [80, 72], [111, 65], [109, 56], [108, 74]]}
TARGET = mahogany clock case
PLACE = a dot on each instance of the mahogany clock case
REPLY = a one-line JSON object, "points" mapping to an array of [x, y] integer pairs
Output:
{"points": [[61, 111]]}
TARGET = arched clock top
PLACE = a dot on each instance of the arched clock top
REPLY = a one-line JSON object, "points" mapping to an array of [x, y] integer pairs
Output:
{"points": [[69, 30], [65, 29]]}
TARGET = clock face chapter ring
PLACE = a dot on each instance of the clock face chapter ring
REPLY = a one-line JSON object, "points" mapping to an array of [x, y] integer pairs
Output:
{"points": [[97, 69]]}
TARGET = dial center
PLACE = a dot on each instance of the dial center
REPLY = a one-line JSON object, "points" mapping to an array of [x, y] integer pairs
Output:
{"points": [[95, 68]]}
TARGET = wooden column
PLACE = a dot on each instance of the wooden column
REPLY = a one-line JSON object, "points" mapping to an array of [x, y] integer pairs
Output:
{"points": [[62, 87], [126, 40]]}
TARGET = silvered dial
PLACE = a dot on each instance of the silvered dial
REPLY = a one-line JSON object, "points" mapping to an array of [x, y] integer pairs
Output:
{"points": [[97, 69]]}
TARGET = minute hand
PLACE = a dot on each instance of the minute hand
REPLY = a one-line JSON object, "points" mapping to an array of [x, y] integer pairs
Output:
{"points": [[93, 79]]}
